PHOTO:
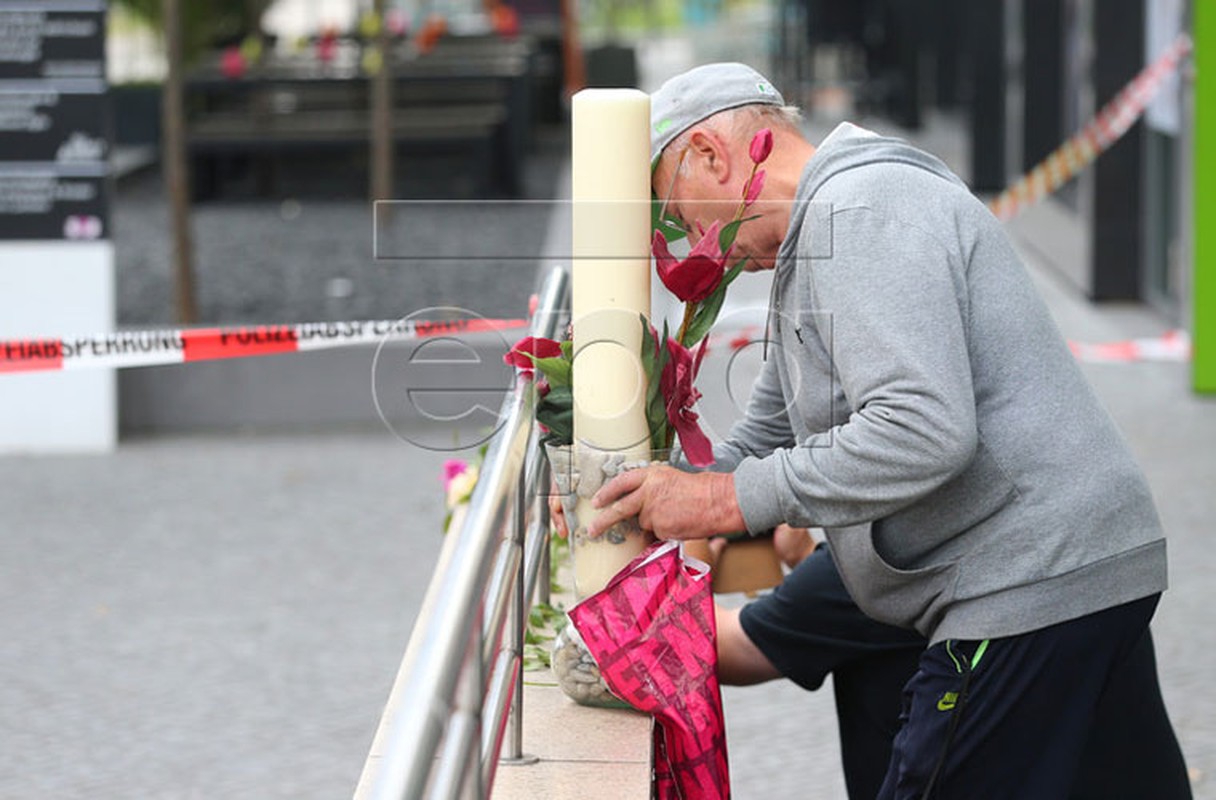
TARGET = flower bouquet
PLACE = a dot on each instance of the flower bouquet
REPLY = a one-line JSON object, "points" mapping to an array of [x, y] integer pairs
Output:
{"points": [[670, 363]]}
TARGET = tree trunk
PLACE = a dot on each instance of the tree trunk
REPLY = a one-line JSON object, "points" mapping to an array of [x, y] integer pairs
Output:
{"points": [[573, 67], [173, 158], [382, 113]]}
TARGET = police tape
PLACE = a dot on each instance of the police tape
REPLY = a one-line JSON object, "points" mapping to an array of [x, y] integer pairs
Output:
{"points": [[1172, 345], [126, 349], [1114, 120]]}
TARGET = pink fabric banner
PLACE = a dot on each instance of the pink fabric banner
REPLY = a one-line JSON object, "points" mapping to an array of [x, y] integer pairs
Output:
{"points": [[652, 632]]}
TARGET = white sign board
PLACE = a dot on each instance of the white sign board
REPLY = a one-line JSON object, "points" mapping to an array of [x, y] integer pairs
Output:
{"points": [[56, 263]]}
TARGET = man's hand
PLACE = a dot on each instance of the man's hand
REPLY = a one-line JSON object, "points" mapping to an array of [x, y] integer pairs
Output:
{"points": [[792, 544], [669, 503], [557, 514]]}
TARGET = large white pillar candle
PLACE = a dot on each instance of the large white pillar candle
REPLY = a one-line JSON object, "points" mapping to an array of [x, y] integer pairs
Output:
{"points": [[610, 166], [611, 280]]}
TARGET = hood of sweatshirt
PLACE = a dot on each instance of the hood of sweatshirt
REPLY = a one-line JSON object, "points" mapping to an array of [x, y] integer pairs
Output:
{"points": [[847, 147]]}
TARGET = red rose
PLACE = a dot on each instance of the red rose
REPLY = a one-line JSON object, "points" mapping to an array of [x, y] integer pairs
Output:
{"points": [[518, 356]]}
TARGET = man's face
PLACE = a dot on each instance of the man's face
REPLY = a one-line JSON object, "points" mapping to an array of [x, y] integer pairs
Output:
{"points": [[696, 198]]}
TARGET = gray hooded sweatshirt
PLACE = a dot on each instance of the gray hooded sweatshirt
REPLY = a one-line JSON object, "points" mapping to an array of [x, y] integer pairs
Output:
{"points": [[919, 404]]}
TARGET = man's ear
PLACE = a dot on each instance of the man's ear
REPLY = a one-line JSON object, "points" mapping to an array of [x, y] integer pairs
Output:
{"points": [[710, 150]]}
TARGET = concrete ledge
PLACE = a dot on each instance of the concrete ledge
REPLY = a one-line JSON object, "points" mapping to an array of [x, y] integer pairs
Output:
{"points": [[585, 753]]}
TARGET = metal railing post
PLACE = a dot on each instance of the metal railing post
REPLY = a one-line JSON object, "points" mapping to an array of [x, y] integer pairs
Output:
{"points": [[518, 626], [477, 787], [543, 487], [459, 687], [456, 774]]}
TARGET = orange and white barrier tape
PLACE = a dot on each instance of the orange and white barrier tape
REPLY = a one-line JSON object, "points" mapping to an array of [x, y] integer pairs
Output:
{"points": [[152, 348], [1114, 120], [1170, 346]]}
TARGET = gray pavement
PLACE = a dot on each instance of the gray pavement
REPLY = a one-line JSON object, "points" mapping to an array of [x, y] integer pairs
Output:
{"points": [[215, 617], [222, 616]]}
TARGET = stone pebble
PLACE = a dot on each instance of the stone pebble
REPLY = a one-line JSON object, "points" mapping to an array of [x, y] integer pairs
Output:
{"points": [[578, 675]]}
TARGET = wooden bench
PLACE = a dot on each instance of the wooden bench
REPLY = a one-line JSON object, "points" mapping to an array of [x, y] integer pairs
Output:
{"points": [[466, 130], [466, 98]]}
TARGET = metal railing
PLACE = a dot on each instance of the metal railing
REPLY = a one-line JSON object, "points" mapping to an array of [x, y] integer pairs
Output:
{"points": [[459, 690]]}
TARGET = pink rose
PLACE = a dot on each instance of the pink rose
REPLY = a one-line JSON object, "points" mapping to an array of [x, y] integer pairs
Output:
{"points": [[453, 468]]}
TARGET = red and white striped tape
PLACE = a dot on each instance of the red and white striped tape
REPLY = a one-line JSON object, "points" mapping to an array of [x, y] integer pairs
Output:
{"points": [[1114, 120], [1170, 346], [151, 348]]}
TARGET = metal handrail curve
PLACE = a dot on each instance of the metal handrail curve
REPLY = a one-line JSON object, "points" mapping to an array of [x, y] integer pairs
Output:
{"points": [[459, 689]]}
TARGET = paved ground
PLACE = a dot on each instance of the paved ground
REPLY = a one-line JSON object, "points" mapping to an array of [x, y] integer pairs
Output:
{"points": [[222, 616], [207, 617]]}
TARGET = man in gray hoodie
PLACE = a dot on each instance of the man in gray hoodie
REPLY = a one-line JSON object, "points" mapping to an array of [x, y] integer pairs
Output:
{"points": [[918, 404]]}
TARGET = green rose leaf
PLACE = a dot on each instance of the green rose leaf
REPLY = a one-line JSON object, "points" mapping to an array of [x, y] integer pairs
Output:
{"points": [[654, 359], [672, 230], [555, 369], [556, 412], [726, 236]]}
